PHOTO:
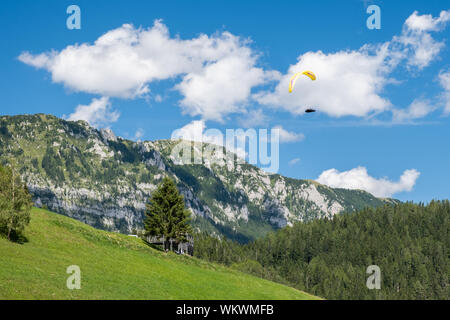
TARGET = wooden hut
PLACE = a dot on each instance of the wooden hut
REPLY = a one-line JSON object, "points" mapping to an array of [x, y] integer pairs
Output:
{"points": [[186, 247]]}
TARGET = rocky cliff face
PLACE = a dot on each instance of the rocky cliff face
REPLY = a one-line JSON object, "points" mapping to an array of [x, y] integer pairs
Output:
{"points": [[105, 181]]}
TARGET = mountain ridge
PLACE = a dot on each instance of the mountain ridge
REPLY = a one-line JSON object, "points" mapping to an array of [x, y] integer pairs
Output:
{"points": [[105, 180]]}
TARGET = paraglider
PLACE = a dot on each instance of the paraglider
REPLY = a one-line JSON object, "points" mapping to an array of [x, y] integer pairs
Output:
{"points": [[309, 74]]}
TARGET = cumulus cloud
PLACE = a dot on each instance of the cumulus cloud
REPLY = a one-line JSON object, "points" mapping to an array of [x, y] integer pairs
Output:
{"points": [[419, 47], [253, 118], [417, 109], [158, 98], [97, 114], [351, 82], [426, 22], [244, 143], [139, 134], [193, 131], [196, 131], [358, 178], [217, 72], [221, 88]]}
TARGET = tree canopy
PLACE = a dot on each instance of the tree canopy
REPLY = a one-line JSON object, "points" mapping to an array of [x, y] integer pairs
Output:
{"points": [[15, 203], [166, 214], [329, 257]]}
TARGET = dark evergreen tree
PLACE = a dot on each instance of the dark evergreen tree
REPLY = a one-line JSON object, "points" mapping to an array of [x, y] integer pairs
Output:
{"points": [[166, 214]]}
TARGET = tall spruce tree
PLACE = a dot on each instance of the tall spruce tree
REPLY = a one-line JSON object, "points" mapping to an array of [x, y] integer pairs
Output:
{"points": [[15, 202], [166, 214]]}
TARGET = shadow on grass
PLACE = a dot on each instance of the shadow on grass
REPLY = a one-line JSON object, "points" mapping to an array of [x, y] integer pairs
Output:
{"points": [[153, 246], [16, 237]]}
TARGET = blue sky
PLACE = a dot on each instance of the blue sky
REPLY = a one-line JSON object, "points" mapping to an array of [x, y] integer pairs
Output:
{"points": [[384, 108]]}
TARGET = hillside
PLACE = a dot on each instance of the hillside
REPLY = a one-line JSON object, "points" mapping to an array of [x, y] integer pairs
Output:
{"points": [[115, 266], [104, 180]]}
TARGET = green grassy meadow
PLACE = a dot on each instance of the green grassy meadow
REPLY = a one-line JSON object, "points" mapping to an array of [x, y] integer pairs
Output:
{"points": [[115, 266]]}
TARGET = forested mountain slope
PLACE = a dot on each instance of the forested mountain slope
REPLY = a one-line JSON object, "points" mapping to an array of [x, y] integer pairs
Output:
{"points": [[410, 243]]}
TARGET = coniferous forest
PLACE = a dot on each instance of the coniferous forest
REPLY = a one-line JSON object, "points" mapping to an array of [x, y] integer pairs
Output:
{"points": [[329, 257]]}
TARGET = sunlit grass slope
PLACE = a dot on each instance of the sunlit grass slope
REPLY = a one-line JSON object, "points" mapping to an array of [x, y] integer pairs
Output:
{"points": [[115, 266]]}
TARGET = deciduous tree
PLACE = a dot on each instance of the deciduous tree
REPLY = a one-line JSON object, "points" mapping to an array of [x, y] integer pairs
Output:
{"points": [[15, 202]]}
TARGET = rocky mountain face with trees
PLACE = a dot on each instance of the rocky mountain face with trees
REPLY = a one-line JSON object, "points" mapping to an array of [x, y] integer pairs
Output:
{"points": [[104, 180]]}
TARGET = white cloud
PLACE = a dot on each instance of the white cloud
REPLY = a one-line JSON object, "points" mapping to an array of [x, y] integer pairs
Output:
{"points": [[348, 83], [222, 87], [218, 75], [253, 118], [218, 72], [196, 131], [419, 47], [288, 136], [139, 134], [358, 178], [43, 60], [351, 82], [193, 131], [158, 98], [294, 161], [417, 109], [426, 22], [444, 79], [97, 114], [426, 49]]}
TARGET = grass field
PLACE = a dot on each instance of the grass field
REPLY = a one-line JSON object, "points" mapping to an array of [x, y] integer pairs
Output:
{"points": [[115, 266]]}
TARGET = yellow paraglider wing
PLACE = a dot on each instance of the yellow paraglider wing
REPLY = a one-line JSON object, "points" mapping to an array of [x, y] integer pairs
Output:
{"points": [[292, 81], [309, 74]]}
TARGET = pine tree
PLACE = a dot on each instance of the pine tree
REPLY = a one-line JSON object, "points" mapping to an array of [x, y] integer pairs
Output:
{"points": [[166, 214], [15, 202]]}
